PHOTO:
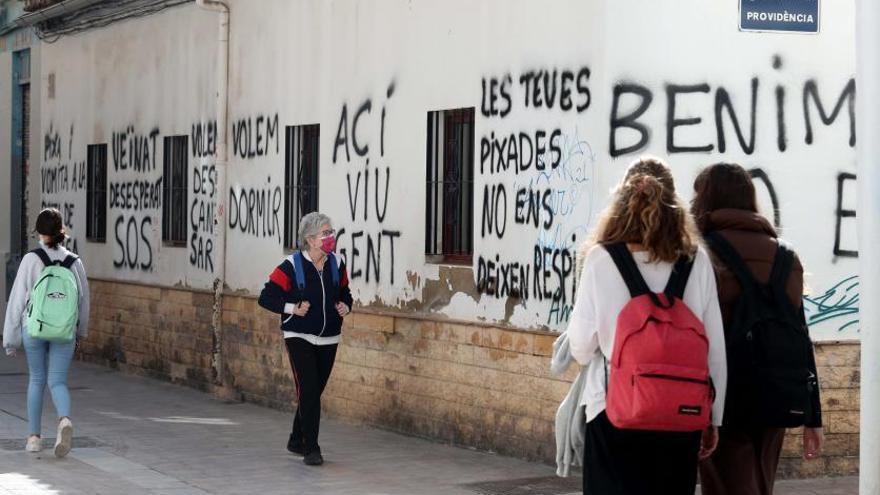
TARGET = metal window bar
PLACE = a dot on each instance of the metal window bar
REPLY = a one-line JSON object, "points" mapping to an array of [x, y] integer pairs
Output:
{"points": [[96, 193], [434, 160], [430, 185], [449, 185], [174, 190], [290, 158], [458, 183], [308, 171], [300, 177]]}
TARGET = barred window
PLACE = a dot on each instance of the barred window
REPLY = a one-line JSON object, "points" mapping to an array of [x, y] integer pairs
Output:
{"points": [[174, 190], [449, 212], [96, 193], [300, 177]]}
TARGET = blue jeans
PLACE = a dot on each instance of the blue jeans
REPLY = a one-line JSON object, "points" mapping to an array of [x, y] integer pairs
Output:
{"points": [[47, 363]]}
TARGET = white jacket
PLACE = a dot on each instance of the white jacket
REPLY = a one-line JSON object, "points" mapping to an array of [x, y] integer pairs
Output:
{"points": [[28, 273], [571, 424], [602, 294]]}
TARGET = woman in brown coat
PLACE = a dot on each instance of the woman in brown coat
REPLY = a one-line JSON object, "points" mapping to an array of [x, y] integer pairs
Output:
{"points": [[725, 202]]}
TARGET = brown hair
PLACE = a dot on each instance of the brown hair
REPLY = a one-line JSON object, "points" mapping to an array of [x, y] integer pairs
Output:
{"points": [[720, 186], [50, 224], [645, 210]]}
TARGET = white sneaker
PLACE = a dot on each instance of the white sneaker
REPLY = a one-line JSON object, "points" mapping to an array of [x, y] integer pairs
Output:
{"points": [[34, 444], [64, 439]]}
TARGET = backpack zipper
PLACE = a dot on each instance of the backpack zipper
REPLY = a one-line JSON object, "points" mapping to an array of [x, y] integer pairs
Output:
{"points": [[675, 378], [323, 301]]}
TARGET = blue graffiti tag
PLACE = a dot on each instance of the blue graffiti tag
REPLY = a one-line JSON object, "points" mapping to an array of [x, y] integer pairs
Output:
{"points": [[840, 301]]}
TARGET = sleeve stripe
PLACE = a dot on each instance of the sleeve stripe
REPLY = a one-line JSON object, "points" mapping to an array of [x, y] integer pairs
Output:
{"points": [[280, 279]]}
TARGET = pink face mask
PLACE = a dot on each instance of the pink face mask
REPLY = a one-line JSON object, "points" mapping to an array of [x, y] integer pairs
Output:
{"points": [[328, 244]]}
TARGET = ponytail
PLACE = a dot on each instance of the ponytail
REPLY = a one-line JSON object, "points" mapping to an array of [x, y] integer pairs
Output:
{"points": [[645, 210]]}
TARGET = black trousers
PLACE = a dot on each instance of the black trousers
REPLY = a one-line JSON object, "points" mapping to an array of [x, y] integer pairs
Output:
{"points": [[311, 365], [635, 462]]}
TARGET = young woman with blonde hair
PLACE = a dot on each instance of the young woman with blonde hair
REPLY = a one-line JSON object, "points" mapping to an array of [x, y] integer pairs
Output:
{"points": [[647, 318]]}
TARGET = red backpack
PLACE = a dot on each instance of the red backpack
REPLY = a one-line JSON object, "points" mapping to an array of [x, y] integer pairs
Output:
{"points": [[660, 363]]}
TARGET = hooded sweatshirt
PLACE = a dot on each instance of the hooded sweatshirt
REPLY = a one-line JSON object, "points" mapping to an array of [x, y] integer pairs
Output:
{"points": [[28, 272]]}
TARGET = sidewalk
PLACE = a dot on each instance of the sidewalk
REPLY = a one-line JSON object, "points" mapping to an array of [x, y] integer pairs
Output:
{"points": [[139, 436]]}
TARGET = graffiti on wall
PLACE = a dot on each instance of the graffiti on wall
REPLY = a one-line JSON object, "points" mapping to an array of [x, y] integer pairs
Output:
{"points": [[368, 242], [537, 181], [735, 124], [62, 179], [731, 119], [637, 98], [256, 210], [203, 204], [135, 197], [255, 136], [838, 305]]}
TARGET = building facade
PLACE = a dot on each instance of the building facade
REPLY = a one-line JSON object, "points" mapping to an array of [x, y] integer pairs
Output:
{"points": [[463, 149]]}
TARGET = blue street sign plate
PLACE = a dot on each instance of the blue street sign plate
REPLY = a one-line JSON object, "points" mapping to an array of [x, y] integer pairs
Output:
{"points": [[790, 16]]}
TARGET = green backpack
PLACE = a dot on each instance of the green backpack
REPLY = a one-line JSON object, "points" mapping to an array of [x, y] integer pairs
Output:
{"points": [[53, 309]]}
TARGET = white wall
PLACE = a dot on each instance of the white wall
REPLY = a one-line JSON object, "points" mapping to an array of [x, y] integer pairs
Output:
{"points": [[305, 62], [128, 86]]}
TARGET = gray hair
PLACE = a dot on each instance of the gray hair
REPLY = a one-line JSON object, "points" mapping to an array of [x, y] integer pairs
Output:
{"points": [[309, 226]]}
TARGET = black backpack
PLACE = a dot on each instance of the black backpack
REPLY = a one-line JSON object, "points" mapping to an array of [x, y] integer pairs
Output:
{"points": [[769, 353]]}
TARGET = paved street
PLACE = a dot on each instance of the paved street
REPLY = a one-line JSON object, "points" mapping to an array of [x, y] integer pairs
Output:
{"points": [[139, 436]]}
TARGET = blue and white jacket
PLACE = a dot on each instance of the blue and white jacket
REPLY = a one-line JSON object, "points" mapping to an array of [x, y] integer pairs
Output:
{"points": [[320, 291]]}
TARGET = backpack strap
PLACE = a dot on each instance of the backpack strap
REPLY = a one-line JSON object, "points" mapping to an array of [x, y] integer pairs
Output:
{"points": [[633, 278], [782, 266], [69, 261], [334, 268], [628, 269], [679, 278], [298, 271], [44, 257], [728, 254]]}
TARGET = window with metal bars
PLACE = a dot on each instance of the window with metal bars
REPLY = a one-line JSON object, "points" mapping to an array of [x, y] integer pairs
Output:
{"points": [[96, 193], [449, 212], [300, 177], [174, 190]]}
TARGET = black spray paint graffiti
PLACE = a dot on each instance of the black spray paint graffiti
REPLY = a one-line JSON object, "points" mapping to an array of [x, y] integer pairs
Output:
{"points": [[254, 136], [368, 188], [540, 89], [52, 144], [134, 151], [549, 276], [203, 208], [255, 211], [203, 138], [133, 240], [639, 99], [57, 174], [761, 176], [841, 214], [136, 195], [202, 214], [541, 159], [61, 178]]}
